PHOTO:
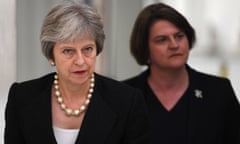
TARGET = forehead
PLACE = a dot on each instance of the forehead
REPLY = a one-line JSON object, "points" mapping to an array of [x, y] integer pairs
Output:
{"points": [[78, 42], [76, 37], [164, 26]]}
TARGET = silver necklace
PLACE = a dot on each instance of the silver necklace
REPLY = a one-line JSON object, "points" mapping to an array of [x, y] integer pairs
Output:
{"points": [[68, 111]]}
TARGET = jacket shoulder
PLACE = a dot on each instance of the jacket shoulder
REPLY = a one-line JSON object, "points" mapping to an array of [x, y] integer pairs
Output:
{"points": [[138, 80], [30, 88], [207, 78], [110, 84]]}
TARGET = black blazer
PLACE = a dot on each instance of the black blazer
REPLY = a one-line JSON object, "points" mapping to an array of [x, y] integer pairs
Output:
{"points": [[214, 116], [116, 114]]}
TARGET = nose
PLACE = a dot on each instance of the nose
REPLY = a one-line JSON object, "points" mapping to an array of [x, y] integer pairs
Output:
{"points": [[173, 43], [79, 59]]}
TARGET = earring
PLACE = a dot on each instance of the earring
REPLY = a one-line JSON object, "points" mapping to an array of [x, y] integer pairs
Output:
{"points": [[52, 63]]}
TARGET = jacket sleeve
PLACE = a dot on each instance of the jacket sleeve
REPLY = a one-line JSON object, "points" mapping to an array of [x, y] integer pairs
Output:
{"points": [[137, 126], [232, 127], [12, 131]]}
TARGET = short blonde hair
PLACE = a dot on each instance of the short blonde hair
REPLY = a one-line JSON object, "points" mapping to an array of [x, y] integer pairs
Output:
{"points": [[69, 21]]}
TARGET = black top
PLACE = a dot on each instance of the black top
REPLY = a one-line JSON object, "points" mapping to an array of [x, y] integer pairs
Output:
{"points": [[207, 113], [169, 126]]}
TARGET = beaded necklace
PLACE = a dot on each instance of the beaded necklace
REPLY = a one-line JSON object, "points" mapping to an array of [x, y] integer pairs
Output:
{"points": [[68, 111]]}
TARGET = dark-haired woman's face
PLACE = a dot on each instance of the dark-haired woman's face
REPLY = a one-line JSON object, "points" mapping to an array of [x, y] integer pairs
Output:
{"points": [[168, 46]]}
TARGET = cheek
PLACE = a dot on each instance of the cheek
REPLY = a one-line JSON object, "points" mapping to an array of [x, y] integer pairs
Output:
{"points": [[186, 49], [61, 62], [91, 61], [156, 55], [185, 44], [156, 51]]}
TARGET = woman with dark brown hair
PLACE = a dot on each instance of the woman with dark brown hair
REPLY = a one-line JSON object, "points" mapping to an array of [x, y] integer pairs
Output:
{"points": [[185, 106]]}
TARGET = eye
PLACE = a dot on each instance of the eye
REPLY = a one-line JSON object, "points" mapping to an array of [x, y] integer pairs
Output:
{"points": [[179, 36], [88, 51], [68, 52], [161, 39]]}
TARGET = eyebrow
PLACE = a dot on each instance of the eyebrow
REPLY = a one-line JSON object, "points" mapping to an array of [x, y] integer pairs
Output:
{"points": [[164, 35]]}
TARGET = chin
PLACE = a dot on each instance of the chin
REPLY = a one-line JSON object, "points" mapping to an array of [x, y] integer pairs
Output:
{"points": [[178, 65], [79, 80]]}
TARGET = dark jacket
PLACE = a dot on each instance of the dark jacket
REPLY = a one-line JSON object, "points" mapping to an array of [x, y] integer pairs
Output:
{"points": [[116, 114], [214, 116]]}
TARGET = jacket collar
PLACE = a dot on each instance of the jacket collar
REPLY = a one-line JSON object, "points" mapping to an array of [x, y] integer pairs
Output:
{"points": [[96, 126], [40, 113], [98, 120]]}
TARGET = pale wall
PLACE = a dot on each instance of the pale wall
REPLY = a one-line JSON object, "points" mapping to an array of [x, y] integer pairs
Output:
{"points": [[7, 54]]}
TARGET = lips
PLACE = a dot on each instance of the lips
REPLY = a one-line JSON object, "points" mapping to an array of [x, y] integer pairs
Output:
{"points": [[80, 72], [177, 54]]}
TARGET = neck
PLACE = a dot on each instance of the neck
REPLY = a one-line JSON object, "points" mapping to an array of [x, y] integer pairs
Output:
{"points": [[168, 78], [71, 90]]}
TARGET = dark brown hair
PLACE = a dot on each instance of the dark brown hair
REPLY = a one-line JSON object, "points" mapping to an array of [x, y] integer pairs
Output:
{"points": [[146, 18]]}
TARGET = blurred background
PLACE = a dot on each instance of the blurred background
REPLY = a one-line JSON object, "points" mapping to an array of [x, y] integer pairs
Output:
{"points": [[217, 51]]}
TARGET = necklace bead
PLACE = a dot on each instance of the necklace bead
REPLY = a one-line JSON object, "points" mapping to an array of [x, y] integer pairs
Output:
{"points": [[68, 111]]}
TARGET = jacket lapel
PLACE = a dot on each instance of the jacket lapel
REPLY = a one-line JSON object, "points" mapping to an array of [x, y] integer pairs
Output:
{"points": [[197, 107], [196, 118], [41, 119], [98, 121]]}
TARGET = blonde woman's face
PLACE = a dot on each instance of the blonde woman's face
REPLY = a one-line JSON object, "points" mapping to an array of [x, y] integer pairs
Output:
{"points": [[75, 61]]}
